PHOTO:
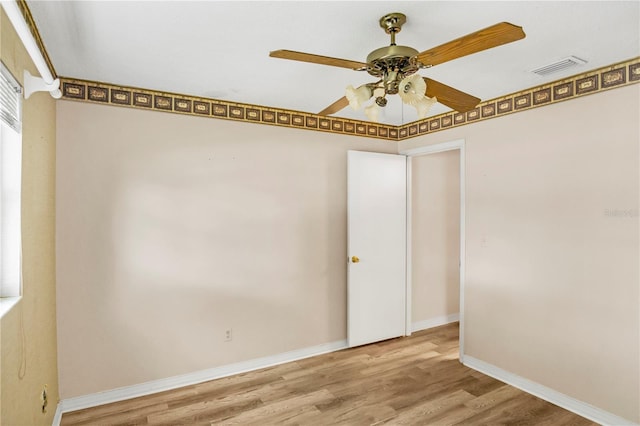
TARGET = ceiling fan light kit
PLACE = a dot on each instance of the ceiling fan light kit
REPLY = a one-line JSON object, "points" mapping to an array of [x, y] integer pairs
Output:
{"points": [[357, 97], [396, 67]]}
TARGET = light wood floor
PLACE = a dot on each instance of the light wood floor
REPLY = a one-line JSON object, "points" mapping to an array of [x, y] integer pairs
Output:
{"points": [[415, 380]]}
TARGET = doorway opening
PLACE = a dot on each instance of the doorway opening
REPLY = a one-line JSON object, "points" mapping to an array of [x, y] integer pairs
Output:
{"points": [[435, 236]]}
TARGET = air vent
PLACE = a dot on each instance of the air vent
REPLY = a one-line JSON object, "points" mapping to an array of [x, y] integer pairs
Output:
{"points": [[561, 65]]}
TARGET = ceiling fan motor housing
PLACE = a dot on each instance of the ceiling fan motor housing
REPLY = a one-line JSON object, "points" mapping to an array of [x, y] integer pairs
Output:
{"points": [[392, 64]]}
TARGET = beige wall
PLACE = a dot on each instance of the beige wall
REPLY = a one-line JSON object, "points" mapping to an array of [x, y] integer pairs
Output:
{"points": [[435, 235], [172, 229], [28, 332], [552, 270]]}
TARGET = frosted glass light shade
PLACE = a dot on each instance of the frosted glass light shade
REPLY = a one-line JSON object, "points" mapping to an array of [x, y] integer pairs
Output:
{"points": [[412, 89], [357, 97], [412, 92], [424, 105], [373, 112]]}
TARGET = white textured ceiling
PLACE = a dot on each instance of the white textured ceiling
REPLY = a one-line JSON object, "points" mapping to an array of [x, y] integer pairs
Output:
{"points": [[220, 49]]}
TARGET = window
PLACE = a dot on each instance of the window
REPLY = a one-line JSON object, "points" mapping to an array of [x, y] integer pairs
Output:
{"points": [[10, 179]]}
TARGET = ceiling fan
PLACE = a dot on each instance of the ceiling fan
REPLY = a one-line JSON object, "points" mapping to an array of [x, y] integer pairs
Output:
{"points": [[396, 66]]}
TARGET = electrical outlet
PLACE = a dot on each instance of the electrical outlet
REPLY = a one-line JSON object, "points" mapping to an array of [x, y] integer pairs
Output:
{"points": [[44, 399], [228, 335]]}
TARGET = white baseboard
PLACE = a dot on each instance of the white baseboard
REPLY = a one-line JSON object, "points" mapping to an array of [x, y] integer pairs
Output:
{"points": [[581, 408], [134, 391], [57, 417], [434, 322]]}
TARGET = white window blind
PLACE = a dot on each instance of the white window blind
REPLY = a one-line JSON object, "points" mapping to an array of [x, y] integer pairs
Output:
{"points": [[10, 180], [10, 100]]}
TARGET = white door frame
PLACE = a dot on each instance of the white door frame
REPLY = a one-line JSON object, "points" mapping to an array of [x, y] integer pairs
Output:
{"points": [[426, 150]]}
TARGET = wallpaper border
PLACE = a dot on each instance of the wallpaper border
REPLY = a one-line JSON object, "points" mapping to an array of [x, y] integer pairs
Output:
{"points": [[590, 82], [124, 96], [587, 83]]}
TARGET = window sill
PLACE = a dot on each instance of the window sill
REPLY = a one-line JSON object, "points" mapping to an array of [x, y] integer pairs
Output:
{"points": [[7, 303]]}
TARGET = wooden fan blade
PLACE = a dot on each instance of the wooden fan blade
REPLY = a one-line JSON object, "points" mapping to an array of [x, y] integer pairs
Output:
{"points": [[453, 98], [317, 59], [487, 38], [335, 107]]}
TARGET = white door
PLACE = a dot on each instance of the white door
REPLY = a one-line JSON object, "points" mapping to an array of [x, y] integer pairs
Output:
{"points": [[377, 202]]}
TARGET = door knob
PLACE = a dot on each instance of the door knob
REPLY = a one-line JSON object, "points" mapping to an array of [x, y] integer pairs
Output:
{"points": [[355, 259]]}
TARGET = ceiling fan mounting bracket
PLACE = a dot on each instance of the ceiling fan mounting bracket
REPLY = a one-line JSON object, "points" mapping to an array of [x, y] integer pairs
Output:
{"points": [[392, 22]]}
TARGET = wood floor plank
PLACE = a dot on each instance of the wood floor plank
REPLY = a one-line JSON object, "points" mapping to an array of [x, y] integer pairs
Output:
{"points": [[207, 408], [416, 380], [490, 399], [422, 412], [360, 405], [284, 410], [134, 415]]}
